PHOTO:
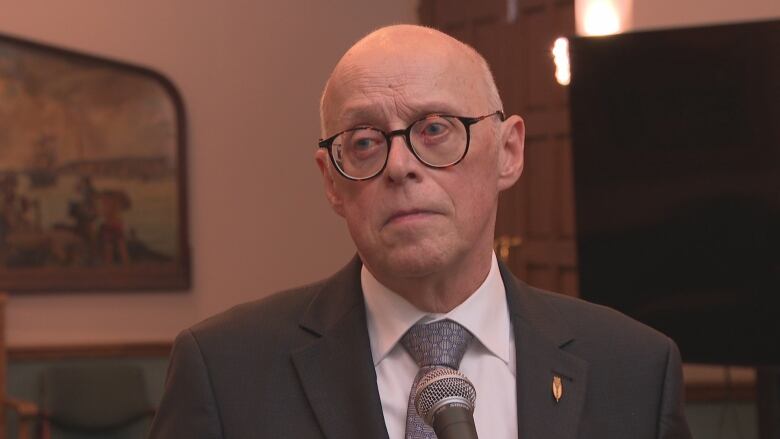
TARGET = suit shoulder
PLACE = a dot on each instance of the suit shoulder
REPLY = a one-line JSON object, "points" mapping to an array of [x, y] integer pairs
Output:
{"points": [[262, 317], [277, 322]]}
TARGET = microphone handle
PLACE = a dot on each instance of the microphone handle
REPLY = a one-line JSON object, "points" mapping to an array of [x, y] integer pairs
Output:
{"points": [[454, 422]]}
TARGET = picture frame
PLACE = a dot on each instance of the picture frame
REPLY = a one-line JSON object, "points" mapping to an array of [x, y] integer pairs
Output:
{"points": [[92, 174]]}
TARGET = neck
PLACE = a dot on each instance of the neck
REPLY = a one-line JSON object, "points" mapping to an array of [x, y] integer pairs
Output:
{"points": [[442, 291]]}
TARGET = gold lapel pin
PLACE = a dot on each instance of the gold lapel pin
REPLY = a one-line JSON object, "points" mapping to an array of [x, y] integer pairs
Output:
{"points": [[557, 388]]}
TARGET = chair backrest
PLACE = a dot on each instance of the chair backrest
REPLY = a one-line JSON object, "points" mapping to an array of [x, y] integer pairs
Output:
{"points": [[94, 397]]}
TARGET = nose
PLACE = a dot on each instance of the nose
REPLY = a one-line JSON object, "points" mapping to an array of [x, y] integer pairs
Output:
{"points": [[401, 162]]}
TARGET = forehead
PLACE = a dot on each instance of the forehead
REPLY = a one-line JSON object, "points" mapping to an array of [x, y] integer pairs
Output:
{"points": [[397, 81]]}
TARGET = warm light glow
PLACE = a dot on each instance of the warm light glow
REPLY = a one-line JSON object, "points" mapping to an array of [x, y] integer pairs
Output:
{"points": [[603, 17], [560, 53]]}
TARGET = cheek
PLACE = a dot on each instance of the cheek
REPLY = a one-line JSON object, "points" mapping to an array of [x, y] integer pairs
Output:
{"points": [[477, 204], [481, 174], [358, 206], [477, 191]]}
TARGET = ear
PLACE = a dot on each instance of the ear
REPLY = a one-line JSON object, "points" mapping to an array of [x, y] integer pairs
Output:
{"points": [[510, 152], [321, 157]]}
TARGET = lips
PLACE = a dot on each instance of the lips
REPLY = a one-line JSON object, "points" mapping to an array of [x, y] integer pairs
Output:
{"points": [[408, 214]]}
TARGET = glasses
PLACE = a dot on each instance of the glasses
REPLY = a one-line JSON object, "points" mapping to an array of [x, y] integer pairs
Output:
{"points": [[437, 140]]}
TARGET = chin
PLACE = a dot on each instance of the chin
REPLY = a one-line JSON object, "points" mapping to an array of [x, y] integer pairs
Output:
{"points": [[414, 261], [411, 268]]}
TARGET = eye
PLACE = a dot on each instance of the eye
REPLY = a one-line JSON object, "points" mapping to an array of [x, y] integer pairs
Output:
{"points": [[364, 143], [434, 129], [365, 139]]}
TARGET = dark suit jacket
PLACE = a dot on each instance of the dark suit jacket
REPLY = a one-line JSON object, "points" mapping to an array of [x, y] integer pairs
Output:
{"points": [[298, 365]]}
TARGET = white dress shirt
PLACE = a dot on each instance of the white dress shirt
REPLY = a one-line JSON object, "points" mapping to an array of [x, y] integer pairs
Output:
{"points": [[489, 361]]}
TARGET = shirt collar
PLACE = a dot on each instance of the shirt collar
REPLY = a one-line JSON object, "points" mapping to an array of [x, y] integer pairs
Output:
{"points": [[484, 314]]}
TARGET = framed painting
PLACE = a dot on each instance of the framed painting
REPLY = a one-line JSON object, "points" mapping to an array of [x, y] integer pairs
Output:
{"points": [[92, 174]]}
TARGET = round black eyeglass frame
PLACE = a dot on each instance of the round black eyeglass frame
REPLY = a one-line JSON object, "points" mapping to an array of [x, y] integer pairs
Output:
{"points": [[406, 133]]}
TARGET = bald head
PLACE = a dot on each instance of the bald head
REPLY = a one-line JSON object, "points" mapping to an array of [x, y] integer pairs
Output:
{"points": [[423, 224], [417, 50]]}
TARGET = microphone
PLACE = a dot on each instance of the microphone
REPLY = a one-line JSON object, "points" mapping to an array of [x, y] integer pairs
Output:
{"points": [[444, 399]]}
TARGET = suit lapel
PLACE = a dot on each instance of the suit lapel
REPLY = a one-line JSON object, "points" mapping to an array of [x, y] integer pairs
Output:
{"points": [[540, 338], [338, 377], [336, 370]]}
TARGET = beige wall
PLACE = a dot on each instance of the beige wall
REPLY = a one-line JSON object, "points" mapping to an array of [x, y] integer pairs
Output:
{"points": [[650, 14], [250, 72]]}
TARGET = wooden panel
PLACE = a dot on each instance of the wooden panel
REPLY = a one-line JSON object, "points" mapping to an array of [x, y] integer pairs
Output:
{"points": [[517, 262], [449, 13], [566, 196], [511, 219], [540, 183], [532, 6], [538, 60], [488, 11], [716, 392], [542, 276], [569, 282], [563, 26], [515, 93], [489, 39], [556, 252], [459, 30], [103, 350]]}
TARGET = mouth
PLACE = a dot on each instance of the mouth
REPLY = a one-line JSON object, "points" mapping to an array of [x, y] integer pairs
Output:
{"points": [[403, 216]]}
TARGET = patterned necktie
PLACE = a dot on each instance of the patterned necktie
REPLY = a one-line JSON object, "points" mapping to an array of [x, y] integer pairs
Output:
{"points": [[436, 344]]}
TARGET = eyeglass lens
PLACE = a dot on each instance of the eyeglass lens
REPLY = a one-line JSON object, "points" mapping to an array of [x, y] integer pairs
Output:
{"points": [[436, 140]]}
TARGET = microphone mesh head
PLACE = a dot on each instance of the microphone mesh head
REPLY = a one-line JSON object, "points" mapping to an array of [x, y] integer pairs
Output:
{"points": [[442, 386]]}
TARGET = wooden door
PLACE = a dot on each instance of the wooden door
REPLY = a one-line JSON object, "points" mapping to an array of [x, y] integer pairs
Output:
{"points": [[516, 37]]}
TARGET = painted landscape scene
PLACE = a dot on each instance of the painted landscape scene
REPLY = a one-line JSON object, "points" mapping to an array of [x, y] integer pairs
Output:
{"points": [[90, 174]]}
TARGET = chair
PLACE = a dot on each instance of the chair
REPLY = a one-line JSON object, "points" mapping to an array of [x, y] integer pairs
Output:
{"points": [[91, 400], [26, 411], [105, 399]]}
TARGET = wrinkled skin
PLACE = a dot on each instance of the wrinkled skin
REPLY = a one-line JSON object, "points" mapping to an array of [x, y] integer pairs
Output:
{"points": [[425, 233]]}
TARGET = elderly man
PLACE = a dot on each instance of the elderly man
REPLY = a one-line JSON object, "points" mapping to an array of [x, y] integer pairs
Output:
{"points": [[415, 152]]}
